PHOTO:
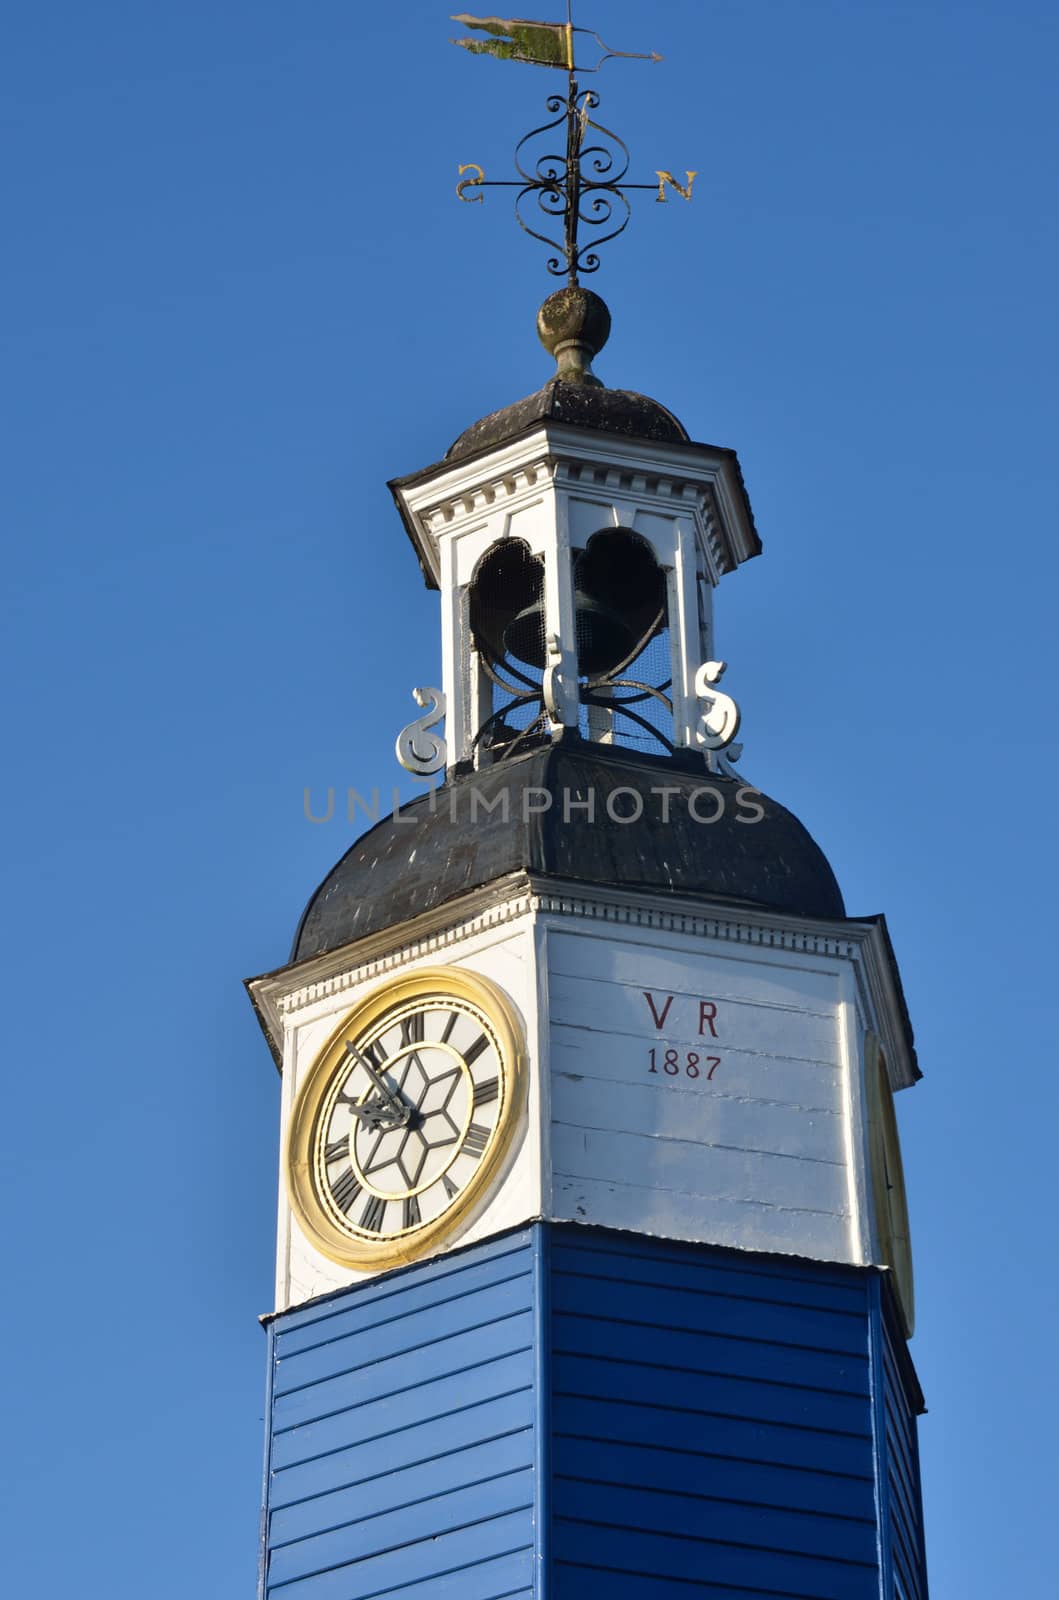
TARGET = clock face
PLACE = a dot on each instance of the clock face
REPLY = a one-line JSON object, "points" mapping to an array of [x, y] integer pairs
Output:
{"points": [[404, 1117]]}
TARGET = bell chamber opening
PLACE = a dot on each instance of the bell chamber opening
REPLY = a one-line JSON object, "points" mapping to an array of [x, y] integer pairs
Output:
{"points": [[620, 621], [623, 648], [506, 615]]}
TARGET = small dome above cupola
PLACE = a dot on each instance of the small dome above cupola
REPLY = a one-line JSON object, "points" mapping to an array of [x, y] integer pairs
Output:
{"points": [[573, 324]]}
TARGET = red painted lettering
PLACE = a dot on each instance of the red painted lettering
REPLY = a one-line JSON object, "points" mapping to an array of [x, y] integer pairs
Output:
{"points": [[660, 1019], [707, 1014]]}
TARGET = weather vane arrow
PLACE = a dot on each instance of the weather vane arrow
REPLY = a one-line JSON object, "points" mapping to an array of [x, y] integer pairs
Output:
{"points": [[540, 44], [585, 186]]}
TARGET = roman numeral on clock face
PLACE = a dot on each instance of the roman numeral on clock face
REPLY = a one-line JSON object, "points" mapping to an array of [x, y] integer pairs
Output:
{"points": [[486, 1092], [346, 1190], [454, 1017], [374, 1212], [448, 1186], [336, 1150], [412, 1028], [473, 1051], [477, 1139], [412, 1216]]}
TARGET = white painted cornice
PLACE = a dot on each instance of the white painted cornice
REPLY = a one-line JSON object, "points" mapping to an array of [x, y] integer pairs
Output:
{"points": [[639, 472], [277, 996]]}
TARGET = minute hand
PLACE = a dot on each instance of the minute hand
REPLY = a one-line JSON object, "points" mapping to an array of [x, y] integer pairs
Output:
{"points": [[380, 1083]]}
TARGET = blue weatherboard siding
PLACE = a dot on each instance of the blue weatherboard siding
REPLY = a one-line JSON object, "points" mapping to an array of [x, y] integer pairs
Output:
{"points": [[713, 1424], [565, 1412], [902, 1499], [402, 1448]]}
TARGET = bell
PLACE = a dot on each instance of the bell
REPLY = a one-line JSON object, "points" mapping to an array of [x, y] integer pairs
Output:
{"points": [[604, 637]]}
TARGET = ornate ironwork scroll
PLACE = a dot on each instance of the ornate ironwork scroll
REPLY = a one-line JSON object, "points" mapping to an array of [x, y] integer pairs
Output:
{"points": [[581, 181]]}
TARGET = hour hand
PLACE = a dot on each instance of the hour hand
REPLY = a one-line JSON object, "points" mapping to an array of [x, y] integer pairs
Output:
{"points": [[399, 1109], [380, 1115]]}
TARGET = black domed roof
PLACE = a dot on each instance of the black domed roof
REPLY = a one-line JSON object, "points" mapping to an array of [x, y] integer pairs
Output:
{"points": [[465, 835], [619, 411]]}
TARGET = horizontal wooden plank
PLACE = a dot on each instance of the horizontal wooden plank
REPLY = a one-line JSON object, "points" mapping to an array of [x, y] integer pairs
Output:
{"points": [[906, 1554], [585, 1580], [725, 1395], [904, 1487], [661, 1466], [442, 1472], [745, 1073], [740, 1356], [636, 1505], [908, 1585], [782, 978], [738, 1224], [617, 1010], [699, 1170], [743, 1438], [428, 1436], [690, 1168], [717, 1271], [375, 1414], [507, 1577], [471, 1557], [673, 1307], [410, 1287], [414, 1367], [681, 1109], [405, 1526], [383, 1341], [695, 1560]]}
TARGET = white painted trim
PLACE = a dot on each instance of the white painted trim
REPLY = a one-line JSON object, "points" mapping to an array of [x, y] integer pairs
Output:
{"points": [[640, 472], [455, 711], [280, 993], [560, 626], [854, 1122], [685, 636], [543, 1066]]}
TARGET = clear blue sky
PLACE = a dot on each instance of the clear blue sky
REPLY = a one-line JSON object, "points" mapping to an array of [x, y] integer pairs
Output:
{"points": [[239, 294]]}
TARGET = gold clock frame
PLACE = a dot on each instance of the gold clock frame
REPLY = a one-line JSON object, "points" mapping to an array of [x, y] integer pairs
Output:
{"points": [[888, 1181], [425, 983]]}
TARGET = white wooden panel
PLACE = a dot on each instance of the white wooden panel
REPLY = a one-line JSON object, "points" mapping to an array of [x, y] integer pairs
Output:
{"points": [[699, 1171], [775, 977], [588, 516], [744, 1140], [624, 1008], [660, 531], [743, 1074], [739, 1224], [667, 1110]]}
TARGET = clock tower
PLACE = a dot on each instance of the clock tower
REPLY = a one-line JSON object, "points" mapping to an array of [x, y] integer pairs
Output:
{"points": [[593, 1270]]}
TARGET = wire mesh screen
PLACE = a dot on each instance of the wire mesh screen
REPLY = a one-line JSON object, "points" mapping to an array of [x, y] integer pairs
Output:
{"points": [[623, 642], [630, 714], [507, 624]]}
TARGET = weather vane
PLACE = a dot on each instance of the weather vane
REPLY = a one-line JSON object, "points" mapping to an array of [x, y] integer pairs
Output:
{"points": [[585, 187]]}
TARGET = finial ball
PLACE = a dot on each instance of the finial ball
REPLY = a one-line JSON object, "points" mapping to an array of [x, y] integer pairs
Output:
{"points": [[574, 324]]}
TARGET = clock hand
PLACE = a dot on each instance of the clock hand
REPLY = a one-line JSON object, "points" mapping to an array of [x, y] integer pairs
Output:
{"points": [[400, 1107], [380, 1115]]}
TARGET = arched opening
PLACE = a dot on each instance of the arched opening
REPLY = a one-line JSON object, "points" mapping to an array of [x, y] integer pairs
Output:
{"points": [[506, 614], [623, 646]]}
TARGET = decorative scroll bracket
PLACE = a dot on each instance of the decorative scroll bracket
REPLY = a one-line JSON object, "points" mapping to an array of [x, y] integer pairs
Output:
{"points": [[420, 752], [721, 716]]}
